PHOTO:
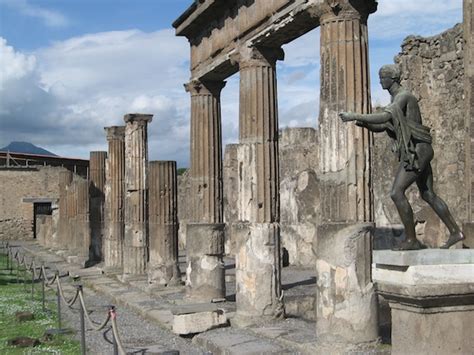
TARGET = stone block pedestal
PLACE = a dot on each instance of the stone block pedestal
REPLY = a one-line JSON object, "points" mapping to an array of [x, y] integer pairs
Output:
{"points": [[205, 272], [346, 307], [431, 296]]}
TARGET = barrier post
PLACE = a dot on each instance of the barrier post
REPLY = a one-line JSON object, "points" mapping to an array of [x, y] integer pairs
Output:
{"points": [[42, 292], [8, 259], [83, 325], [114, 341], [17, 272], [59, 300], [32, 284]]}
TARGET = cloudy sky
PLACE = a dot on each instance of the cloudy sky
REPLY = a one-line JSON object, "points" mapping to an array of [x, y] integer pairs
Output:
{"points": [[70, 67]]}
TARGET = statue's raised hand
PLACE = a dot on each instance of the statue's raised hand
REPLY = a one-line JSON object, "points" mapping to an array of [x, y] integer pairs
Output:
{"points": [[347, 116]]}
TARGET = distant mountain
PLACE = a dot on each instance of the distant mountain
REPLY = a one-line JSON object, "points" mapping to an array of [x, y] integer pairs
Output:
{"points": [[26, 148]]}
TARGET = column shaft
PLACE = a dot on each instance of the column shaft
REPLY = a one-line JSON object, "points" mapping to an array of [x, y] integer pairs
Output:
{"points": [[136, 202], [97, 198], [345, 148], [258, 266], [163, 223], [65, 179], [83, 236], [114, 199]]}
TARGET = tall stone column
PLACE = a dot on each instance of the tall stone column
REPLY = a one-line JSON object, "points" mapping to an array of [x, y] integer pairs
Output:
{"points": [[205, 234], [163, 266], [345, 174], [258, 264], [65, 179], [114, 199], [82, 239], [97, 198], [71, 218], [135, 253], [468, 31]]}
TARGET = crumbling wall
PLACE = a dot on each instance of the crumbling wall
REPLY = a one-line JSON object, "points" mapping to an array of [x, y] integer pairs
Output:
{"points": [[432, 69], [16, 216]]}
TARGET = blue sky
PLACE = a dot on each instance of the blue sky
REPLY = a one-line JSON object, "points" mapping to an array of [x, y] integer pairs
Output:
{"points": [[70, 67]]}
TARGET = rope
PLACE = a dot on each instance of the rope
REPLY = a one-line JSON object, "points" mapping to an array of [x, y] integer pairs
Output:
{"points": [[61, 293], [94, 325], [45, 277], [113, 317]]}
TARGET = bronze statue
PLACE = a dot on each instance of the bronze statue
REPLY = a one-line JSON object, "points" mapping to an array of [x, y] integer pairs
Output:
{"points": [[412, 142]]}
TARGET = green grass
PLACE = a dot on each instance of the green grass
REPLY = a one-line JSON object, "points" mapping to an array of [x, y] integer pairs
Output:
{"points": [[14, 297]]}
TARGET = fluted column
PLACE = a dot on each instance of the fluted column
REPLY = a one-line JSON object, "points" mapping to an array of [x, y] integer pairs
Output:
{"points": [[97, 198], [258, 266], [114, 199], [135, 252], [345, 288], [65, 179], [71, 218], [206, 151], [206, 227], [345, 86], [163, 266]]}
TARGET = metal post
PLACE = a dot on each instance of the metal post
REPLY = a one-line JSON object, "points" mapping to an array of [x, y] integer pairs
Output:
{"points": [[17, 272], [24, 276], [43, 294], [59, 301], [8, 259], [114, 341], [83, 326], [32, 285]]}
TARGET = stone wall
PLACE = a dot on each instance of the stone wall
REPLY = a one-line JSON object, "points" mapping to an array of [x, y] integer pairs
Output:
{"points": [[432, 69], [16, 216]]}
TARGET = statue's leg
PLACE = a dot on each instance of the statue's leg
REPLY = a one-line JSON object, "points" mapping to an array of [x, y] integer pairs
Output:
{"points": [[403, 180], [425, 185]]}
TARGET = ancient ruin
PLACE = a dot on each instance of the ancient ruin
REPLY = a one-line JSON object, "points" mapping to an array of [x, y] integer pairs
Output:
{"points": [[292, 223]]}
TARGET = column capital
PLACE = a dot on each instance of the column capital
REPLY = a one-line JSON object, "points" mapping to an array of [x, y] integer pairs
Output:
{"points": [[204, 87], [115, 132], [140, 118], [330, 10], [257, 56]]}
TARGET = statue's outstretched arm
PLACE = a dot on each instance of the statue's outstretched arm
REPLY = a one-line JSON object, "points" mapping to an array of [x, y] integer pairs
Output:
{"points": [[373, 127], [372, 118]]}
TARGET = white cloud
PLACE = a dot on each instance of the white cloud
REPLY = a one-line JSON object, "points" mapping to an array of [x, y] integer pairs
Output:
{"points": [[13, 65], [50, 18], [65, 94]]}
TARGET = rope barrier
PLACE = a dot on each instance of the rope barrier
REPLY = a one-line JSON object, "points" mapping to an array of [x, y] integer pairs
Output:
{"points": [[111, 314]]}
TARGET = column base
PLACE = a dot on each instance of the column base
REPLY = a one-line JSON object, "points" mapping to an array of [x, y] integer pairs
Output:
{"points": [[346, 303], [205, 272], [258, 274]]}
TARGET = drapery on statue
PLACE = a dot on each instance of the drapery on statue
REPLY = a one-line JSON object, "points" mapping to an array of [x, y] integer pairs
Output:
{"points": [[412, 142]]}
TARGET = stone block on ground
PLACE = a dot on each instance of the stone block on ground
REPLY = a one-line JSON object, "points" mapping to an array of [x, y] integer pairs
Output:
{"points": [[197, 319]]}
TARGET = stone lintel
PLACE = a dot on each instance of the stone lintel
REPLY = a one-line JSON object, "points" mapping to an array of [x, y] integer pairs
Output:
{"points": [[424, 257], [138, 117], [115, 132]]}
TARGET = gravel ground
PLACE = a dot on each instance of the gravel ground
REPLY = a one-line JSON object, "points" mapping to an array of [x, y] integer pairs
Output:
{"points": [[139, 336]]}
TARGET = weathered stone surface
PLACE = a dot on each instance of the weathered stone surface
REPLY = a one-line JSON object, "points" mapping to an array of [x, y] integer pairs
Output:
{"points": [[163, 266], [231, 194], [185, 208], [82, 239], [135, 200], [205, 278], [97, 197], [65, 179], [114, 198], [346, 306], [299, 193], [192, 323], [258, 274], [423, 257]]}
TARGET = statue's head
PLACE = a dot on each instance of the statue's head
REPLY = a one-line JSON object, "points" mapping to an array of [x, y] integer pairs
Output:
{"points": [[389, 74]]}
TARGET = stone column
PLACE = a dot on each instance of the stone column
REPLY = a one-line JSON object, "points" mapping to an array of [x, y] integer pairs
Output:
{"points": [[135, 246], [258, 264], [468, 30], [65, 179], [343, 267], [163, 266], [97, 198], [82, 240], [71, 218], [114, 199], [205, 268], [345, 86]]}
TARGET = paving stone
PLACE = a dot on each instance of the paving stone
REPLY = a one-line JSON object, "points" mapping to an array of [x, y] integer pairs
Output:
{"points": [[192, 323]]}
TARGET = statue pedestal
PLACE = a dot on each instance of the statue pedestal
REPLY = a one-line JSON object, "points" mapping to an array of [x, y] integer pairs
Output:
{"points": [[431, 296]]}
